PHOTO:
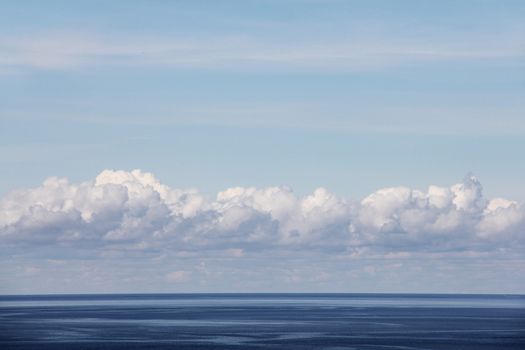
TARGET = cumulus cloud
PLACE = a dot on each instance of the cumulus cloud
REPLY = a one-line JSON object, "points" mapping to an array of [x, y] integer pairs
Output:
{"points": [[135, 211]]}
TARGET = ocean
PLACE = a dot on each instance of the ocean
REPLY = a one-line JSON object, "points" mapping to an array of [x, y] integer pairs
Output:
{"points": [[263, 321]]}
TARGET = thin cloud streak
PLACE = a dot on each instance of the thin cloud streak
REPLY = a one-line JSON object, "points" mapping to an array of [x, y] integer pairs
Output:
{"points": [[69, 52]]}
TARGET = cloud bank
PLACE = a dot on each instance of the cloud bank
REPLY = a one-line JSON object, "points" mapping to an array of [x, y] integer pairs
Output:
{"points": [[130, 211]]}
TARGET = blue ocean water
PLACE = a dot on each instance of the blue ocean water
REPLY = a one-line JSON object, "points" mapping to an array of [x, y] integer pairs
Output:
{"points": [[263, 321]]}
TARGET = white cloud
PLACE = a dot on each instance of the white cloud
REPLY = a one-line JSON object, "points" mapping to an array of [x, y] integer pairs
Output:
{"points": [[177, 276], [502, 215], [135, 211], [60, 51]]}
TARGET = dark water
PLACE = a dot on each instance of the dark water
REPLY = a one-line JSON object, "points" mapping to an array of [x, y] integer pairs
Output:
{"points": [[262, 321]]}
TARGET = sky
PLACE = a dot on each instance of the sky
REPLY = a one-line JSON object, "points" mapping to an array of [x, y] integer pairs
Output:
{"points": [[262, 146]]}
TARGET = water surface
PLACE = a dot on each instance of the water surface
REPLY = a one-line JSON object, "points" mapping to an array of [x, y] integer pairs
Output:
{"points": [[262, 321]]}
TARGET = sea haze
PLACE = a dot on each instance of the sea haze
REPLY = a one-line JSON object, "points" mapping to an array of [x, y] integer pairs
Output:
{"points": [[262, 321]]}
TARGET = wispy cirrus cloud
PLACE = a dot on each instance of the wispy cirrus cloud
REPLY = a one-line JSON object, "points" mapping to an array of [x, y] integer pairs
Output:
{"points": [[72, 51]]}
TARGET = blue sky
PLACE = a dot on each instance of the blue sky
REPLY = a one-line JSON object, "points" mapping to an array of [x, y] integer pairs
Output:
{"points": [[351, 96]]}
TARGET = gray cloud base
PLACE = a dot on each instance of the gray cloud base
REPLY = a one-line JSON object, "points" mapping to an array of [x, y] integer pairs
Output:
{"points": [[127, 211]]}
